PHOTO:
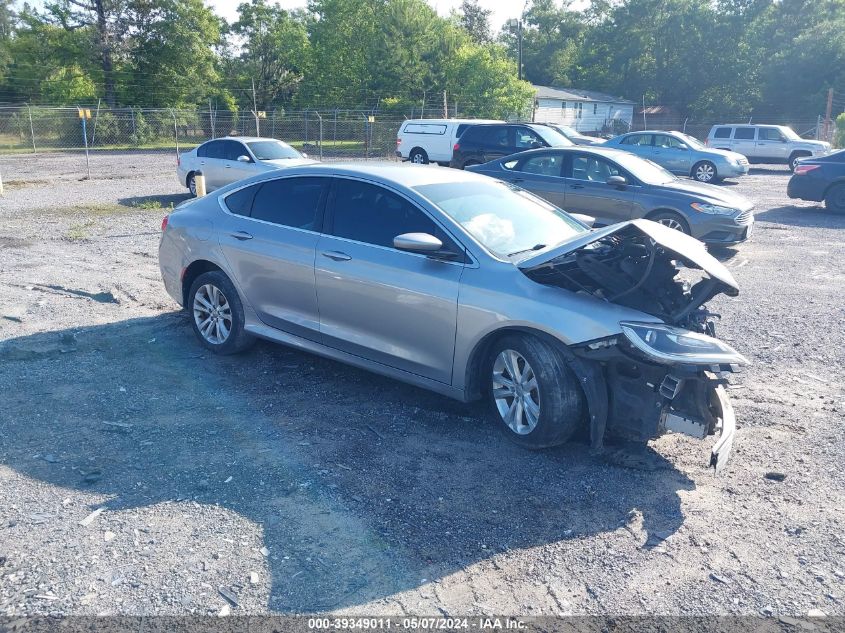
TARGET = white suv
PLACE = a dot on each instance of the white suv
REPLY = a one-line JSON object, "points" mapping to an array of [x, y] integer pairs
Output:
{"points": [[765, 143], [426, 141]]}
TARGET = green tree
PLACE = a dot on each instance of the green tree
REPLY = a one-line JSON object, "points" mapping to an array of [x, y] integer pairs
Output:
{"points": [[475, 19], [274, 54]]}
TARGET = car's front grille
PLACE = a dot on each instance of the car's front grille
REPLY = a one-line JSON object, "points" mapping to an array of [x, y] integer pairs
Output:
{"points": [[746, 217]]}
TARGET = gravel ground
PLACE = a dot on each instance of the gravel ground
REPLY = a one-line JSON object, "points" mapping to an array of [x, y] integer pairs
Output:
{"points": [[141, 475]]}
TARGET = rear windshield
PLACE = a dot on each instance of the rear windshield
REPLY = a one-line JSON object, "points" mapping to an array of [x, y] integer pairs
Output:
{"points": [[552, 137], [272, 150]]}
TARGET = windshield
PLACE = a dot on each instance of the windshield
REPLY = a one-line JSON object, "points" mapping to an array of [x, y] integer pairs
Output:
{"points": [[505, 219], [789, 133], [272, 150], [552, 137], [642, 169], [568, 130], [692, 141]]}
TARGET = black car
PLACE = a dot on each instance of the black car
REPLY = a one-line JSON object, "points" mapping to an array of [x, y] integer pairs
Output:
{"points": [[482, 143], [821, 178]]}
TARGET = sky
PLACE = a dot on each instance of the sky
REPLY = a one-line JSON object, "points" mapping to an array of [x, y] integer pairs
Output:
{"points": [[502, 9]]}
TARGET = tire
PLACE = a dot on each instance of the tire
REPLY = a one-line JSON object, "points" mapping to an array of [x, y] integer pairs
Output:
{"points": [[672, 220], [418, 156], [704, 171], [226, 335], [191, 183], [834, 199], [793, 160], [546, 415]]}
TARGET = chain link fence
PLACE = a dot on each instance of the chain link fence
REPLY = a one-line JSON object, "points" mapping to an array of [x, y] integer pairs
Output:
{"points": [[102, 143]]}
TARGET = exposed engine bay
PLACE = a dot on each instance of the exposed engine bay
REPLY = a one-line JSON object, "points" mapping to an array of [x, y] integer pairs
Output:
{"points": [[630, 268], [652, 378]]}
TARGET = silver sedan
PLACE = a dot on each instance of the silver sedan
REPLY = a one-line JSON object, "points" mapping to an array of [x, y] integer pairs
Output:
{"points": [[467, 286]]}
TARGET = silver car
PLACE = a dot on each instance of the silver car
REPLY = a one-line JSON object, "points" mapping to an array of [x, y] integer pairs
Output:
{"points": [[226, 160], [469, 287], [683, 155]]}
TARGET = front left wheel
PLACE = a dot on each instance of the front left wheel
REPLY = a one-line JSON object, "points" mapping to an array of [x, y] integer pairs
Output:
{"points": [[217, 314], [534, 397], [705, 171]]}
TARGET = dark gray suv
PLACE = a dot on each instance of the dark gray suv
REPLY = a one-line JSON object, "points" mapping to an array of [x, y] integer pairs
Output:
{"points": [[612, 186]]}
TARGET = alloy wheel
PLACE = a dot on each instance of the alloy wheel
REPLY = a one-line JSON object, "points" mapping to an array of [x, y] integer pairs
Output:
{"points": [[672, 223], [516, 392], [192, 186], [705, 173], [417, 158], [212, 314]]}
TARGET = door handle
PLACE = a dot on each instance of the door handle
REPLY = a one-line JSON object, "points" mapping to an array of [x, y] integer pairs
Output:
{"points": [[576, 186], [241, 235], [337, 256]]}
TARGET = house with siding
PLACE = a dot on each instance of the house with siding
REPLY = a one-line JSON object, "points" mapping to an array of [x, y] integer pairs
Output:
{"points": [[587, 111]]}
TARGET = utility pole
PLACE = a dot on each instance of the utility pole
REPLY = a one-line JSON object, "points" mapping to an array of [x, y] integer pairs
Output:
{"points": [[827, 114], [445, 106], [519, 46]]}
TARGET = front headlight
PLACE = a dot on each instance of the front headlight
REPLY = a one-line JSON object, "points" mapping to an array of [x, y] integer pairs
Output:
{"points": [[712, 209], [669, 344]]}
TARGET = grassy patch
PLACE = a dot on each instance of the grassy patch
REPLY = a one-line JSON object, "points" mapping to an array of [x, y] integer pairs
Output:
{"points": [[79, 232]]}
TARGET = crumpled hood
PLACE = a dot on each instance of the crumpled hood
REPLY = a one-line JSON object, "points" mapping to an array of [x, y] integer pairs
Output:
{"points": [[281, 163], [713, 194], [689, 249]]}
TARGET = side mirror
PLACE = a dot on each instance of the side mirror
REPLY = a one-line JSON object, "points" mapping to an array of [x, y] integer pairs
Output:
{"points": [[417, 243], [243, 158], [536, 145], [304, 155], [617, 181], [683, 147], [584, 219]]}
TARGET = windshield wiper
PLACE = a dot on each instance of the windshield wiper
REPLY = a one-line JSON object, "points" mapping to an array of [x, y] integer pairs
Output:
{"points": [[536, 247]]}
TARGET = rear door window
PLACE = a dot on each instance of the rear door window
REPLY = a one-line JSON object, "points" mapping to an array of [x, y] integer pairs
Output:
{"points": [[744, 133], [425, 128], [638, 139], [212, 149], [495, 135], [667, 142], [544, 165], [293, 202], [722, 132], [240, 202]]}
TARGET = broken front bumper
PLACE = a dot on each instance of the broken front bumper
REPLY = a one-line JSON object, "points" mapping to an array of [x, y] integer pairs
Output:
{"points": [[722, 449], [632, 398]]}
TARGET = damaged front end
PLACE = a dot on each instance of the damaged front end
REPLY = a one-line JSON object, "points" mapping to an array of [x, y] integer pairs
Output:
{"points": [[652, 377]]}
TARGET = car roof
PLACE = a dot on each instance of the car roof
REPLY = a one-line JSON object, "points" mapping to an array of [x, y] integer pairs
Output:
{"points": [[599, 150], [458, 121], [244, 138], [402, 174]]}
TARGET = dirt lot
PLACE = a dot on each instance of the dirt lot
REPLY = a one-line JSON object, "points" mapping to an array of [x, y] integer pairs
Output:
{"points": [[278, 481]]}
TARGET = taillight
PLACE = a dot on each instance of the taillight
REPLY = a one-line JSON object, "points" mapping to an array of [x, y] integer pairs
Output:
{"points": [[456, 147], [800, 170], [164, 223], [178, 160], [398, 142]]}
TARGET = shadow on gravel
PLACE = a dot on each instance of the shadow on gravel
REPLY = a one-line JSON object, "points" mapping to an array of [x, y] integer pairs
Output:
{"points": [[362, 486], [818, 217], [770, 170], [164, 201]]}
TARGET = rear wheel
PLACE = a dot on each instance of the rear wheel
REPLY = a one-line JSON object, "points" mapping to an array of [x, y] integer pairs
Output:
{"points": [[705, 171], [672, 220], [217, 314], [534, 397], [418, 156], [834, 199], [191, 182]]}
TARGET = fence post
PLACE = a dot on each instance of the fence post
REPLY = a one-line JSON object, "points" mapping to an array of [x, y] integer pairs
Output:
{"points": [[83, 117], [320, 142], [31, 131], [175, 132], [96, 118]]}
